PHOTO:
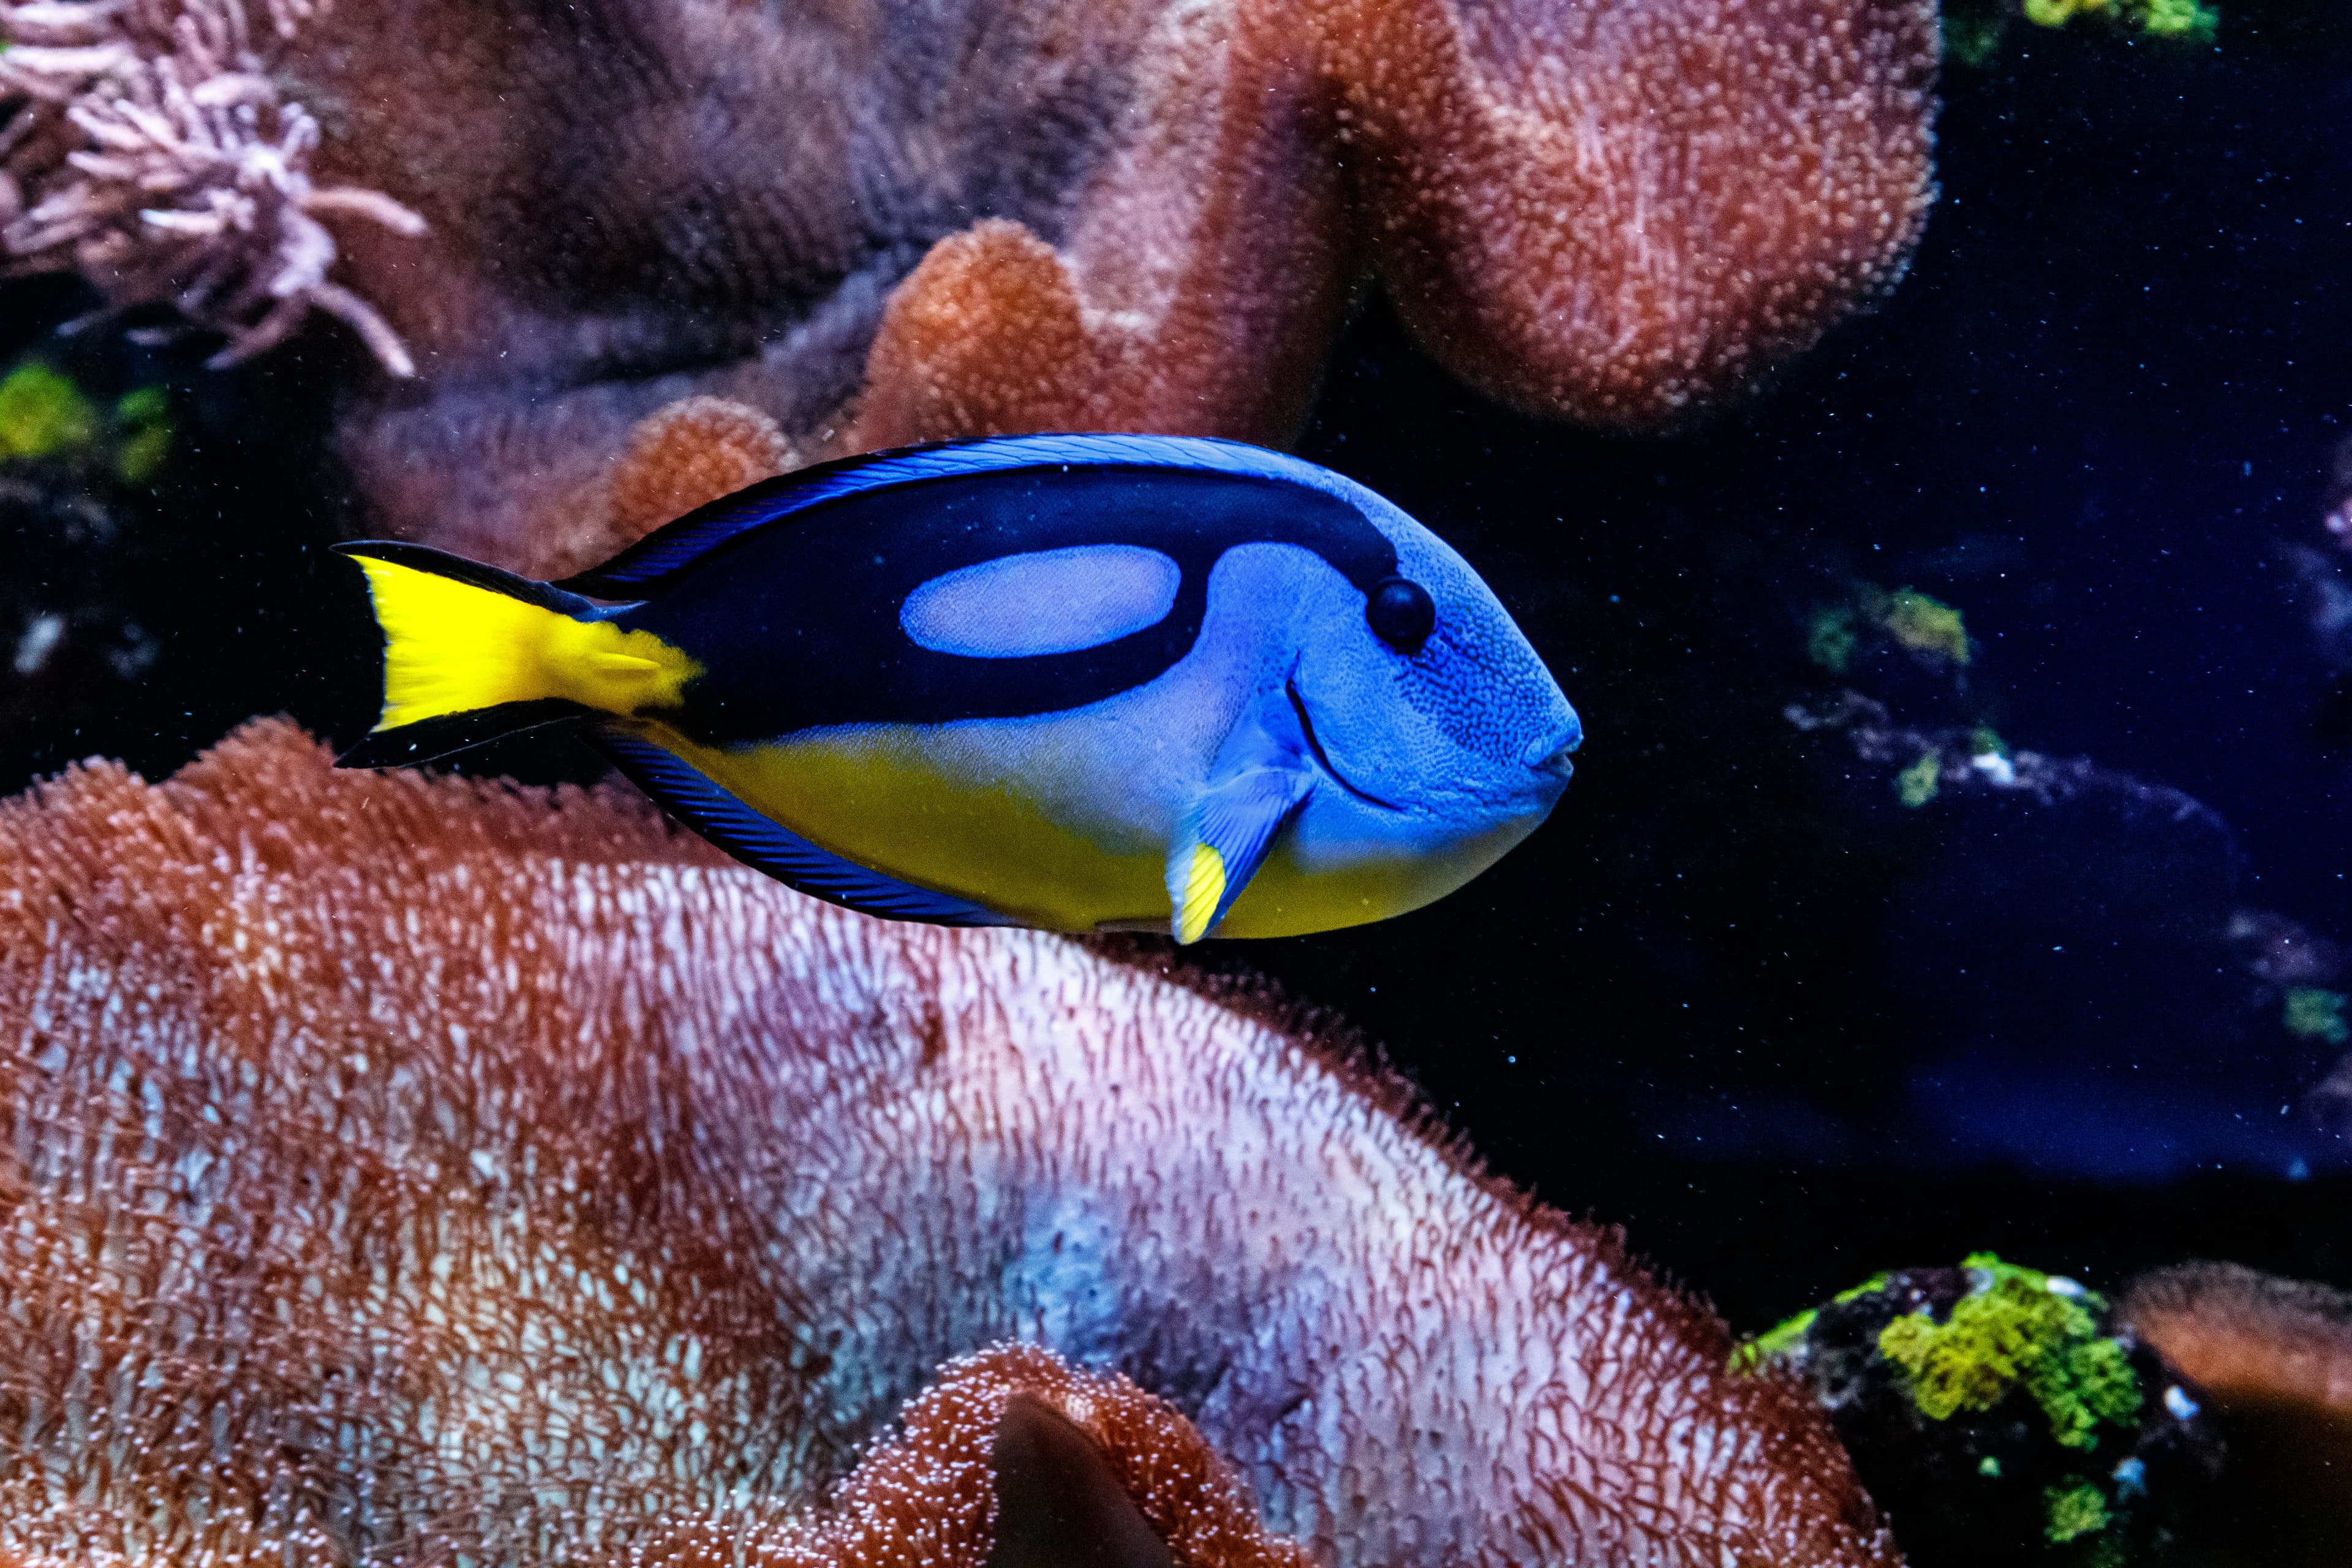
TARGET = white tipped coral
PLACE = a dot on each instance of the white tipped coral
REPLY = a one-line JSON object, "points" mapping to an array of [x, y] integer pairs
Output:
{"points": [[149, 149]]}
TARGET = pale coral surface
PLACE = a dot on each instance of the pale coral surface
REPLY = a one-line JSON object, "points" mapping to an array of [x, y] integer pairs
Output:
{"points": [[399, 1166]]}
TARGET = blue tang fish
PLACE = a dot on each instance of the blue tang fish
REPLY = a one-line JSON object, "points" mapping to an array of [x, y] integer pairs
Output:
{"points": [[1080, 682]]}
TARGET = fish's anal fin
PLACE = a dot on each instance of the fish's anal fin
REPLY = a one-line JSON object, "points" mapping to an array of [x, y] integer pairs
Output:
{"points": [[764, 845], [1225, 838]]}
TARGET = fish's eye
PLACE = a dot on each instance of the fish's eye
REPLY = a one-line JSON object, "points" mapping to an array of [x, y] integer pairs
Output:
{"points": [[1401, 612]]}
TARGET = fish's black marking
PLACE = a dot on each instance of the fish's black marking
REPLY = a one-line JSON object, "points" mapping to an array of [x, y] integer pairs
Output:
{"points": [[429, 740], [692, 540], [798, 626]]}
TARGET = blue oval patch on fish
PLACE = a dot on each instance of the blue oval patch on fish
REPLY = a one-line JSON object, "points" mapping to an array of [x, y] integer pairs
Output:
{"points": [[1080, 682]]}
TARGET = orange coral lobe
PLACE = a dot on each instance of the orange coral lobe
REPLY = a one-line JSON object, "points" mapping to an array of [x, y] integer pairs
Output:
{"points": [[1617, 212], [399, 1168], [983, 338], [2275, 1356], [685, 453], [1015, 1459]]}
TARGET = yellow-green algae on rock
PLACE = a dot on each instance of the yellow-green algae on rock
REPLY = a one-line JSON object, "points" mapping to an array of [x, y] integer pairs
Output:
{"points": [[1998, 1414], [2016, 1330], [45, 414]]}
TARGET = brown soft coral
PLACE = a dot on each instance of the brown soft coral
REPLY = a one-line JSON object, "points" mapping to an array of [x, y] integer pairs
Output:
{"points": [[399, 1167], [1014, 1459], [1607, 212], [695, 450], [2274, 1356], [878, 221]]}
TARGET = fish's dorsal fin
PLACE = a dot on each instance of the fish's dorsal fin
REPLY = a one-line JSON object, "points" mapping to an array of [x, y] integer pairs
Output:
{"points": [[686, 794], [640, 571]]}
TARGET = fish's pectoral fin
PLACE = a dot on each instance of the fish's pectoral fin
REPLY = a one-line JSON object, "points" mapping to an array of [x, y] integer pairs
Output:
{"points": [[1226, 836]]}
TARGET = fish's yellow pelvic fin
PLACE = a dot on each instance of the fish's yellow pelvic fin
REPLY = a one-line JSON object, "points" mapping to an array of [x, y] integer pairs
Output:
{"points": [[1204, 889], [1231, 825], [451, 646]]}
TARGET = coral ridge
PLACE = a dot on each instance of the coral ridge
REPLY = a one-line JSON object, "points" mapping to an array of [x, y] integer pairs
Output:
{"points": [[431, 1167]]}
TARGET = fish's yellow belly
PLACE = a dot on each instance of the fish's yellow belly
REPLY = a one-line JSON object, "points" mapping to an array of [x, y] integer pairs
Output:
{"points": [[875, 799], [1286, 899]]}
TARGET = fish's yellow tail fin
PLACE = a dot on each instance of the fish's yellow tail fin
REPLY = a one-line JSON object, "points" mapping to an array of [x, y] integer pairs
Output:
{"points": [[471, 653]]}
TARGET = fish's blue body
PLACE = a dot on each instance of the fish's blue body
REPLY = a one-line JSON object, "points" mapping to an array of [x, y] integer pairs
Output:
{"points": [[1082, 682]]}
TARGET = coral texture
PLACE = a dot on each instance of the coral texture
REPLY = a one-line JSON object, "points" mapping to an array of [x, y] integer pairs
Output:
{"points": [[878, 221], [2243, 1334], [400, 1167], [1015, 1460], [153, 149], [695, 450], [2275, 1356]]}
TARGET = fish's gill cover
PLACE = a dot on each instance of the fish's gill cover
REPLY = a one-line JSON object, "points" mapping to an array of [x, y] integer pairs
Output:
{"points": [[399, 1167]]}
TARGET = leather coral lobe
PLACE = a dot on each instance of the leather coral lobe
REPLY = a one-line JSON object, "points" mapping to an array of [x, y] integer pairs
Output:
{"points": [[1607, 212], [399, 1168], [877, 221]]}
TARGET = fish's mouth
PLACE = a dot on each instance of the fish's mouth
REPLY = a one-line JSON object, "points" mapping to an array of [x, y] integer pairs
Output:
{"points": [[1550, 753], [1323, 758]]}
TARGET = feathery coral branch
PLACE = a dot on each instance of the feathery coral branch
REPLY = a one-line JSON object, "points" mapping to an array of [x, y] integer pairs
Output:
{"points": [[149, 147]]}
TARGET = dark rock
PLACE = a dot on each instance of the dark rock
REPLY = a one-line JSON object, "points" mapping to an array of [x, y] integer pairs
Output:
{"points": [[2015, 1432]]}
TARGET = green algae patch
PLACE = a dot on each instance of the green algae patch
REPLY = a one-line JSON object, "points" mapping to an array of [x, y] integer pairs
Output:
{"points": [[2185, 20], [2074, 1510], [2315, 1012], [2015, 1332], [1997, 1415], [142, 421], [1871, 1286], [1924, 624], [1974, 30], [1785, 1338], [1832, 636], [43, 414], [1870, 617], [1917, 785]]}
